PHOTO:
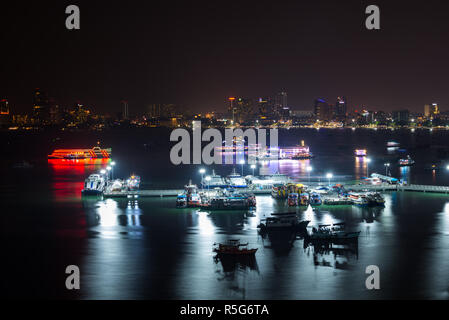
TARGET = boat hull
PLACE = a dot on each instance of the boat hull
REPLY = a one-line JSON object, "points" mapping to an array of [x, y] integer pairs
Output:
{"points": [[249, 252], [88, 192]]}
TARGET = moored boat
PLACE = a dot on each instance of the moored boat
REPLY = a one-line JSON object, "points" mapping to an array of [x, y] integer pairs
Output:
{"points": [[234, 248], [292, 199], [315, 199], [406, 162], [133, 183], [283, 220], [74, 154], [190, 197], [94, 185], [235, 180], [333, 232], [216, 181]]}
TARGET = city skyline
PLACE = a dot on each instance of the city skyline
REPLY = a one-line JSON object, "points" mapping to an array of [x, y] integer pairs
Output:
{"points": [[198, 57]]}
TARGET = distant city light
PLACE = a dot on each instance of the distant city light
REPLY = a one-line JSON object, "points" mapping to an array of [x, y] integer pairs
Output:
{"points": [[202, 170]]}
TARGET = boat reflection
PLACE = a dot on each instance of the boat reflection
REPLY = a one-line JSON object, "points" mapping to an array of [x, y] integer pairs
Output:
{"points": [[326, 254], [281, 241]]}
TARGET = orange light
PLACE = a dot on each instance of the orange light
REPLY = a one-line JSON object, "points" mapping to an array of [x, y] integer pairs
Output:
{"points": [[231, 99]]}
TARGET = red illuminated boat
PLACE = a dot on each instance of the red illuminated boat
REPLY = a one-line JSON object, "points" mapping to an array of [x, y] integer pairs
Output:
{"points": [[94, 153]]}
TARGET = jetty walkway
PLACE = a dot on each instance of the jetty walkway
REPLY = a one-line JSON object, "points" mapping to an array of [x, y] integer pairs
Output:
{"points": [[356, 187]]}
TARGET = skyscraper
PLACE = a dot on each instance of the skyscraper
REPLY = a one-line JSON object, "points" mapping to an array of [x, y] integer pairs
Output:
{"points": [[322, 110], [280, 102], [4, 107], [41, 107], [341, 107], [4, 112], [125, 111], [431, 110]]}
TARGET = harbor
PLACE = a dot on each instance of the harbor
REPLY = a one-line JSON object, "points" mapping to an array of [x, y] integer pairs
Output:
{"points": [[306, 227]]}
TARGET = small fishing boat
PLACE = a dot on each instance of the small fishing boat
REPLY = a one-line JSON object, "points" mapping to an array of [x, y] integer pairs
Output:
{"points": [[181, 200], [234, 248], [283, 220], [292, 199], [337, 201], [333, 232], [315, 199], [359, 199], [375, 199], [304, 199], [133, 183], [230, 200], [190, 197]]}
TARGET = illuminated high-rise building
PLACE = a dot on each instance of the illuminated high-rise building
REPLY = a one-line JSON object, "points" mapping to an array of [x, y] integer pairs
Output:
{"points": [[41, 107], [323, 111], [125, 110], [427, 110], [4, 107], [431, 110], [435, 109], [341, 108], [280, 102], [4, 112]]}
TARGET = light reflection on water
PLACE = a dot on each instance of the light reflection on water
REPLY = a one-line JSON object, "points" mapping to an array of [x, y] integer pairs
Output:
{"points": [[285, 267]]}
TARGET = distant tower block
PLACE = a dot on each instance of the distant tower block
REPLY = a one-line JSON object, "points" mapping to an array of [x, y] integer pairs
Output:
{"points": [[4, 107], [125, 109]]}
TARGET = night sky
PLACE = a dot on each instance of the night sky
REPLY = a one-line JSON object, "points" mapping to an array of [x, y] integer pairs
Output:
{"points": [[198, 53]]}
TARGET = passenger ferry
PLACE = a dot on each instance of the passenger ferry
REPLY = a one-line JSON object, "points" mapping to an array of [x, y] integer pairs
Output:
{"points": [[406, 162], [360, 152], [94, 153], [301, 152], [216, 181], [94, 185], [236, 180]]}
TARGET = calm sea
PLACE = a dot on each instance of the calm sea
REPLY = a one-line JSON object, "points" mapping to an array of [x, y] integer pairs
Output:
{"points": [[147, 249]]}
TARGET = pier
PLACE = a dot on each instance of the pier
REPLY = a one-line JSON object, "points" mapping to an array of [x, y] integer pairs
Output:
{"points": [[379, 188]]}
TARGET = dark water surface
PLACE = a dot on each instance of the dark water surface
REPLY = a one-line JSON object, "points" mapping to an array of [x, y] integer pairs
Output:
{"points": [[148, 249]]}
